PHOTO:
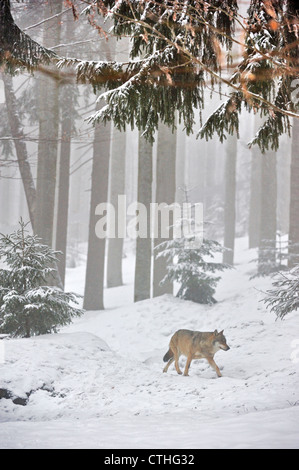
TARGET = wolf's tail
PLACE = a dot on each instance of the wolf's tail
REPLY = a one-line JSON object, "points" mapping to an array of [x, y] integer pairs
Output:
{"points": [[168, 355]]}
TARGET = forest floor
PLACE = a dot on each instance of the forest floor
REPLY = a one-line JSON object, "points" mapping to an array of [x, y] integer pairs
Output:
{"points": [[99, 382]]}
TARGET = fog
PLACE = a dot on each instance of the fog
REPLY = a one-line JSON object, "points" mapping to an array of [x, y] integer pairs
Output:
{"points": [[72, 162]]}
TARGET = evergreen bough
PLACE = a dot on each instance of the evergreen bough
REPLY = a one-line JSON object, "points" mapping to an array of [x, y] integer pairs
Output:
{"points": [[283, 298], [176, 50], [27, 305]]}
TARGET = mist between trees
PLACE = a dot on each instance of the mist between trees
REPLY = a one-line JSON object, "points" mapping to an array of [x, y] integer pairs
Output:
{"points": [[166, 220], [56, 167]]}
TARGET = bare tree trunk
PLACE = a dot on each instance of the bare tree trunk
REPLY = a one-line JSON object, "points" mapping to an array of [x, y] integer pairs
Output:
{"points": [[180, 166], [142, 287], [210, 180], [294, 201], [255, 195], [6, 211], [64, 179], [117, 187], [67, 117], [48, 137], [95, 269], [20, 146], [165, 193], [268, 225], [230, 200]]}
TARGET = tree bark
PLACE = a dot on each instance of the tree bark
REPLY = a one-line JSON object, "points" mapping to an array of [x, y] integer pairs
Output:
{"points": [[64, 180], [230, 200], [95, 268], [142, 286], [67, 108], [268, 226], [117, 187], [48, 137], [294, 200], [165, 193], [20, 146], [180, 167], [255, 194]]}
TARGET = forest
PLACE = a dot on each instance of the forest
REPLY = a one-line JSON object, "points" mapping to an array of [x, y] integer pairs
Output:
{"points": [[56, 167], [111, 108]]}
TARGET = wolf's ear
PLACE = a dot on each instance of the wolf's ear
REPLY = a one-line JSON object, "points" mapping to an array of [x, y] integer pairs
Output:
{"points": [[221, 332], [215, 333]]}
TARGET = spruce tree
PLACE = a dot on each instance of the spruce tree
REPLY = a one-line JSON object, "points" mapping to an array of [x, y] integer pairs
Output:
{"points": [[193, 268], [27, 306], [177, 49], [283, 297], [265, 75]]}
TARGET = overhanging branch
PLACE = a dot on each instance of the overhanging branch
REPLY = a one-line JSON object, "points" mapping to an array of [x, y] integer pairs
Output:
{"points": [[16, 48]]}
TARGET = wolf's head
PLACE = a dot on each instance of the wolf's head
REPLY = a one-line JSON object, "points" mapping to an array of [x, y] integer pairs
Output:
{"points": [[220, 340]]}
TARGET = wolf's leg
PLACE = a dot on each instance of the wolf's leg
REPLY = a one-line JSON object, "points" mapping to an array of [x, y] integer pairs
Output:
{"points": [[168, 364], [214, 365], [176, 358], [189, 359]]}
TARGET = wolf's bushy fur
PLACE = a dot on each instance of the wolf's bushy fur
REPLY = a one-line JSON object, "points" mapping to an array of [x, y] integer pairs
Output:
{"points": [[194, 345]]}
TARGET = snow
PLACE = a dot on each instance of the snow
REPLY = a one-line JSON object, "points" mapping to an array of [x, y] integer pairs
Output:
{"points": [[99, 382]]}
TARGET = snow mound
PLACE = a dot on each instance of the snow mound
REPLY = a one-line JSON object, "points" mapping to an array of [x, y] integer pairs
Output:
{"points": [[53, 371]]}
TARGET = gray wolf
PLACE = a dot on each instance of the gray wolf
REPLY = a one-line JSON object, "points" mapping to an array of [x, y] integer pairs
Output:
{"points": [[195, 345]]}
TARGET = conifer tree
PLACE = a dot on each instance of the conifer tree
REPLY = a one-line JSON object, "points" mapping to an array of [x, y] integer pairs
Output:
{"points": [[27, 306], [177, 47], [265, 74], [193, 267]]}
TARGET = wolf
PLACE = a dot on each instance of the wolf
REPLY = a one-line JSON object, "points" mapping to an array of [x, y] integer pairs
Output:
{"points": [[195, 345]]}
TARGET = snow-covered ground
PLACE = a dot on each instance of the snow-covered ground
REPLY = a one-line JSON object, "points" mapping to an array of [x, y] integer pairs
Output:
{"points": [[99, 382]]}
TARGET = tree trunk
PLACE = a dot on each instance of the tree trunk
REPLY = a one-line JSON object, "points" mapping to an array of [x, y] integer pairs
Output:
{"points": [[64, 179], [27, 327], [48, 136], [294, 201], [210, 178], [20, 146], [67, 112], [117, 187], [180, 167], [142, 287], [255, 194], [230, 200], [165, 193], [268, 226], [94, 283]]}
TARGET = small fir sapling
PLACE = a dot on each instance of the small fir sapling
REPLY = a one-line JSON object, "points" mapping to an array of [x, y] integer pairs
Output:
{"points": [[193, 268], [27, 305]]}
